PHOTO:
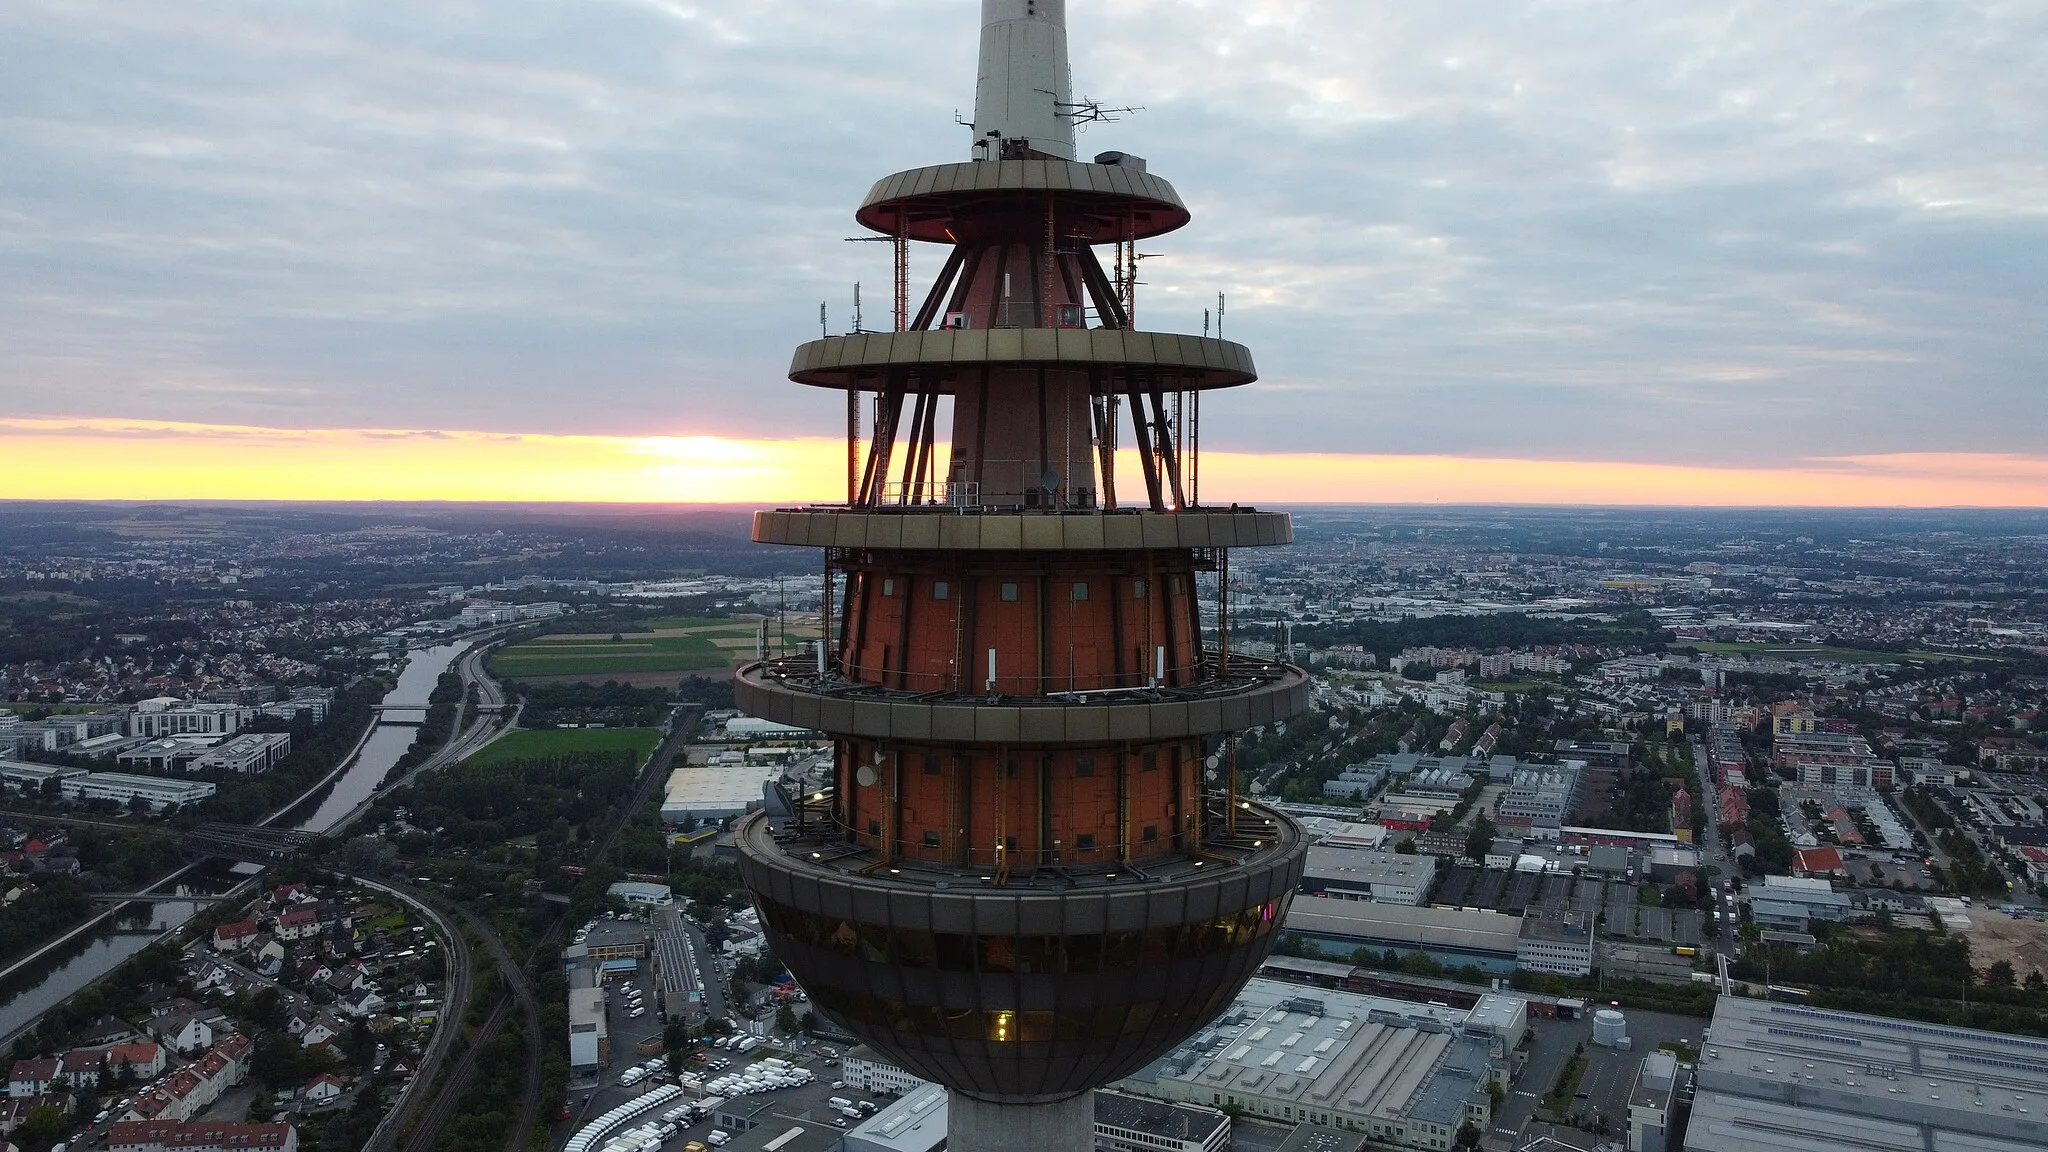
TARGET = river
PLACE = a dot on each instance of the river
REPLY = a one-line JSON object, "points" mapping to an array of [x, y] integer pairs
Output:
{"points": [[27, 994]]}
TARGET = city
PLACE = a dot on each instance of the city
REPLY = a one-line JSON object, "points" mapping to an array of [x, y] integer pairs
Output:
{"points": [[1554, 767]]}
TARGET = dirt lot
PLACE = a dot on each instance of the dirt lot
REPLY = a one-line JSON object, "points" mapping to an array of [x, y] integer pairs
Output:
{"points": [[1994, 936]]}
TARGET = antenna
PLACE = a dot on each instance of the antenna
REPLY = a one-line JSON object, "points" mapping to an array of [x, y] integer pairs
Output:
{"points": [[857, 329], [822, 331], [1219, 315], [1205, 323], [1086, 110]]}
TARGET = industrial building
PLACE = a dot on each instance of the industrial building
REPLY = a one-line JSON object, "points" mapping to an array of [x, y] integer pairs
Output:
{"points": [[1359, 874], [123, 788], [246, 754], [1454, 936], [1787, 1078], [1399, 1072], [1792, 902], [589, 1036], [1538, 801], [701, 793], [1123, 1123], [678, 982], [1558, 942], [1650, 1102]]}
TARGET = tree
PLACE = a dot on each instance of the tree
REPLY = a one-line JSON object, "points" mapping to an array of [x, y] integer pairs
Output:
{"points": [[1468, 1135], [43, 1127], [1407, 847], [785, 1020], [1479, 841], [2001, 975]]}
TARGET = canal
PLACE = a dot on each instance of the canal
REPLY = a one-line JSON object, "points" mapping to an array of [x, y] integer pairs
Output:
{"points": [[27, 994]]}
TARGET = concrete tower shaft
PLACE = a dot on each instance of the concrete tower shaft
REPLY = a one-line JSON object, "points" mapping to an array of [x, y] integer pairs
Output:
{"points": [[1030, 871], [1022, 94]]}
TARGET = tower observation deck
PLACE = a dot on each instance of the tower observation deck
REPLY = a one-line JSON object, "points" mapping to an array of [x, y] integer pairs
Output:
{"points": [[1033, 873]]}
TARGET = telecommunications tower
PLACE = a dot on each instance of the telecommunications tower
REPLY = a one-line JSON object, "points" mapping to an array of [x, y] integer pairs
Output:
{"points": [[1032, 872]]}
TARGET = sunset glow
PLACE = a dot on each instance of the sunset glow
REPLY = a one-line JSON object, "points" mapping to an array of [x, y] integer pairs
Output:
{"points": [[103, 459]]}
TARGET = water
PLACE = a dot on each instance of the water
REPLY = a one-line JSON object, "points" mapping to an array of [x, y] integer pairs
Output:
{"points": [[27, 994]]}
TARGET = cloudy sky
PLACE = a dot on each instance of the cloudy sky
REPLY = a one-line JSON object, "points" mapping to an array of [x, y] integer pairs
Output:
{"points": [[1706, 235]]}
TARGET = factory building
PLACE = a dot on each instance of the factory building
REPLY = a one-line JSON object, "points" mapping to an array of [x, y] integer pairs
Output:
{"points": [[1795, 1079], [1358, 874], [1454, 936], [1401, 1073]]}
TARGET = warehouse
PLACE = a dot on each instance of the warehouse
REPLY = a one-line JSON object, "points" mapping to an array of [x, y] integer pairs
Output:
{"points": [[122, 788], [1337, 928], [1403, 1073], [1359, 874], [1792, 1078]]}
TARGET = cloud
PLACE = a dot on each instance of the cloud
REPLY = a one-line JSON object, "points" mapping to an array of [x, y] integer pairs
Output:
{"points": [[1724, 233]]}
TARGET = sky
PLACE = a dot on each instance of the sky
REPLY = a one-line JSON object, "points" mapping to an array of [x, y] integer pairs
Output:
{"points": [[1564, 251]]}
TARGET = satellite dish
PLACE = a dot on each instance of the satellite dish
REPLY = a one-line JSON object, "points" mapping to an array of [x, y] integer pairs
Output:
{"points": [[866, 775], [1050, 480]]}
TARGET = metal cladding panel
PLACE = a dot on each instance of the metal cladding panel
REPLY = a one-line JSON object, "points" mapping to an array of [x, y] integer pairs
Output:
{"points": [[886, 532], [953, 725], [1269, 532], [960, 532], [1083, 532], [919, 532], [1087, 722], [1123, 532], [834, 900], [1005, 344], [1039, 916], [988, 175], [849, 531], [1244, 532], [1004, 532], [762, 523], [870, 906], [1042, 725], [1060, 176], [1201, 902], [1125, 912], [1140, 348], [872, 718], [835, 715], [1129, 723], [1159, 531], [943, 345], [1074, 343], [1168, 716], [1233, 890], [1040, 343], [912, 724], [910, 910], [1165, 907], [952, 912], [806, 711], [1043, 533], [996, 725], [1085, 915], [1108, 345], [1205, 716], [1034, 177], [995, 914]]}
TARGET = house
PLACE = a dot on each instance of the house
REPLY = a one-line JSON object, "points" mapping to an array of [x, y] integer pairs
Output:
{"points": [[298, 922], [235, 1049], [184, 1032], [81, 1067], [361, 1003], [234, 937], [107, 1030], [1823, 861], [347, 979], [321, 1029], [285, 894], [321, 1089], [143, 1059], [266, 954], [30, 1078], [312, 971], [201, 1136]]}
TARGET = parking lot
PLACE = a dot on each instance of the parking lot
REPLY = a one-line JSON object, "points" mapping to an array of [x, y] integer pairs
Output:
{"points": [[807, 1103]]}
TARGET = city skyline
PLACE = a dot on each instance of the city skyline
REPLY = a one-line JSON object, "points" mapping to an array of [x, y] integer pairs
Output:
{"points": [[1585, 255]]}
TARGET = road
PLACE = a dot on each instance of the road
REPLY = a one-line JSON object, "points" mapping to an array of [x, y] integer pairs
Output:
{"points": [[1714, 853]]}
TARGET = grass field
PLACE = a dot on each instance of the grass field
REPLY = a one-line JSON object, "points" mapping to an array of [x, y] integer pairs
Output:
{"points": [[675, 644], [1819, 652], [557, 741]]}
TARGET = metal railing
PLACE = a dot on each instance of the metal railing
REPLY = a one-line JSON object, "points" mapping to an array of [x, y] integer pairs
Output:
{"points": [[1214, 679]]}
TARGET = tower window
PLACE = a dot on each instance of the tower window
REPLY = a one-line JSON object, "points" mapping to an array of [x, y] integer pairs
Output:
{"points": [[931, 839], [939, 590], [1085, 766], [1080, 590], [1085, 842], [1137, 589], [889, 587], [874, 827], [1010, 592], [1150, 760], [931, 765], [1151, 833]]}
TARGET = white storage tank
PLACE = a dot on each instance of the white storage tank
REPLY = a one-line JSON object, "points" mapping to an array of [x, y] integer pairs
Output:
{"points": [[1610, 1029]]}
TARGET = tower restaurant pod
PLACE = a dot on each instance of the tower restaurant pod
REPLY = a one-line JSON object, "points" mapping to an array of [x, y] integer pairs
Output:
{"points": [[1032, 873]]}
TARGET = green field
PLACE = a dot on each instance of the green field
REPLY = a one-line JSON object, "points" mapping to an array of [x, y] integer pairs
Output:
{"points": [[595, 657], [1819, 652], [558, 741]]}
